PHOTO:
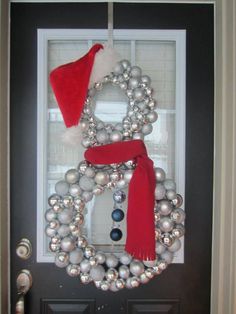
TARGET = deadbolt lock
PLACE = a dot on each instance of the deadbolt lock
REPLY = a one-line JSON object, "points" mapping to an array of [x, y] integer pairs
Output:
{"points": [[24, 249]]}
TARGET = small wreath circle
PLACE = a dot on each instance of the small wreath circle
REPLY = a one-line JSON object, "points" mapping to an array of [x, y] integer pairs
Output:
{"points": [[140, 112], [66, 214]]}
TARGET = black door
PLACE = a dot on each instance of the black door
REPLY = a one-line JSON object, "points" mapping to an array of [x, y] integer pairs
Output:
{"points": [[182, 288]]}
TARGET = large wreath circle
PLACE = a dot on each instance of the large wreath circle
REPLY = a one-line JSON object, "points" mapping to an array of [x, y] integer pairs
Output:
{"points": [[65, 216]]}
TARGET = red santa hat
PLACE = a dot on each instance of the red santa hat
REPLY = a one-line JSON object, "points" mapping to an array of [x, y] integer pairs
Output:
{"points": [[70, 83]]}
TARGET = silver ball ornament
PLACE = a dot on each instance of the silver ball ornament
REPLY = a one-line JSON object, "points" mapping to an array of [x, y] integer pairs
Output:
{"points": [[68, 201], [82, 242], [102, 178], [133, 83], [128, 175], [85, 278], [102, 136], [175, 246], [85, 266], [62, 188], [149, 273], [166, 224], [113, 286], [178, 231], [125, 258], [164, 207], [138, 94], [86, 142], [54, 199], [89, 251], [50, 215], [66, 216], [170, 184], [135, 71], [146, 79], [160, 174], [116, 136], [98, 190], [97, 273], [120, 283], [160, 191], [67, 244], [167, 256], [144, 278], [124, 271], [101, 257], [171, 194], [147, 129], [178, 216], [50, 232], [178, 201], [73, 270], [76, 256], [63, 231], [72, 176], [111, 274], [150, 263], [111, 261], [83, 166], [105, 285], [87, 196], [61, 259], [160, 248], [167, 239], [75, 190], [136, 268], [125, 64], [152, 116]]}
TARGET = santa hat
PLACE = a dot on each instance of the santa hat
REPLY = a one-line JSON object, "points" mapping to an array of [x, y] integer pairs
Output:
{"points": [[70, 83]]}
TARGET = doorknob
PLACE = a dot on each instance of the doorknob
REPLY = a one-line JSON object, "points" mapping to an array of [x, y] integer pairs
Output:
{"points": [[23, 283], [24, 249]]}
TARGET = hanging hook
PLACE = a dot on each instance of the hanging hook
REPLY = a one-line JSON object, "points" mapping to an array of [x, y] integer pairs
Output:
{"points": [[110, 24]]}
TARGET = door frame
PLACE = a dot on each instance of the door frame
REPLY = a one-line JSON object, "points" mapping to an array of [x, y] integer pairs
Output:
{"points": [[223, 285]]}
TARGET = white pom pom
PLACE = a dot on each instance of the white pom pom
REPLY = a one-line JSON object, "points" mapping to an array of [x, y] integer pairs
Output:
{"points": [[72, 136], [104, 62]]}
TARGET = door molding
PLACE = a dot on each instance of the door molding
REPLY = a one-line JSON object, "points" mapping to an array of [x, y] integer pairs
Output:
{"points": [[224, 216]]}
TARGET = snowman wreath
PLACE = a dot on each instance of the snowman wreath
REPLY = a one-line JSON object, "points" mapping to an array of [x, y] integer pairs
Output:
{"points": [[116, 157]]}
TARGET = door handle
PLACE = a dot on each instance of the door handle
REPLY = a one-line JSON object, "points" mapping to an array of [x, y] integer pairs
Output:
{"points": [[23, 283]]}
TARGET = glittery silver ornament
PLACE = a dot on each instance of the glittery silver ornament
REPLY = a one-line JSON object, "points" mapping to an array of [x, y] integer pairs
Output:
{"points": [[86, 183], [50, 215], [85, 266], [90, 172], [93, 261], [124, 271], [83, 166], [113, 286], [119, 196], [160, 248], [116, 175], [147, 129], [138, 94], [135, 71], [87, 196], [68, 200], [125, 258], [73, 270], [160, 191], [167, 256], [133, 83], [97, 273], [102, 178], [164, 207], [89, 251], [136, 267], [63, 231], [111, 274], [72, 176], [61, 259], [62, 188], [66, 216], [86, 142], [75, 190], [134, 282], [105, 285], [116, 136], [85, 278], [56, 239], [170, 184], [111, 261], [102, 136], [178, 215], [54, 199]]}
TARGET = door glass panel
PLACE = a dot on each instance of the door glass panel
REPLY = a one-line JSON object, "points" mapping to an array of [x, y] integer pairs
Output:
{"points": [[157, 58]]}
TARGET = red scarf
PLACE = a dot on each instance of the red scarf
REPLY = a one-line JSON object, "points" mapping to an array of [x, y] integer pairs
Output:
{"points": [[140, 241]]}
